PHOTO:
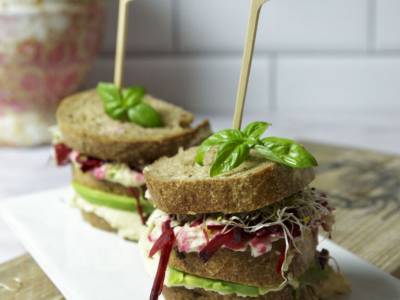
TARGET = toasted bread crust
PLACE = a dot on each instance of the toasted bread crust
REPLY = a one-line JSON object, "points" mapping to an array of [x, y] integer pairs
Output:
{"points": [[180, 293], [241, 267], [266, 184], [86, 128], [97, 222], [100, 223], [88, 180]]}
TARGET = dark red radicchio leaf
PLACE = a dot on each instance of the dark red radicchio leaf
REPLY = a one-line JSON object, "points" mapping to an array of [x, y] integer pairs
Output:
{"points": [[164, 244], [62, 153]]}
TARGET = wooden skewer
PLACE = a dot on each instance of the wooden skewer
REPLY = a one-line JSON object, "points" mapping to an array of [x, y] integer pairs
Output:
{"points": [[121, 42], [255, 10]]}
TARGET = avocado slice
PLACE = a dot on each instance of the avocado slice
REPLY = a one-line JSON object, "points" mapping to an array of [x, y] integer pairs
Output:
{"points": [[97, 197], [179, 278]]}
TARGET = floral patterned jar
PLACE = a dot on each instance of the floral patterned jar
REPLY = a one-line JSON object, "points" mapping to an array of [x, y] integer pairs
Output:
{"points": [[46, 49]]}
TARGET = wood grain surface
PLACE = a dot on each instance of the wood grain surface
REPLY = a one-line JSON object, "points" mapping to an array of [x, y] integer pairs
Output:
{"points": [[363, 185]]}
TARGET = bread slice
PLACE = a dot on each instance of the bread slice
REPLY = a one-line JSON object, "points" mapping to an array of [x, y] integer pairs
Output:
{"points": [[178, 185], [97, 221], [241, 267], [86, 128], [180, 293]]}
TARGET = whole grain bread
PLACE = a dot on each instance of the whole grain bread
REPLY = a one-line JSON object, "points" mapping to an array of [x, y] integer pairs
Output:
{"points": [[180, 293], [97, 222], [86, 128], [242, 267], [180, 186]]}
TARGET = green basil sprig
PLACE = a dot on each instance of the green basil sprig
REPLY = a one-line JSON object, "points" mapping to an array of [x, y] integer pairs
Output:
{"points": [[233, 148], [127, 104]]}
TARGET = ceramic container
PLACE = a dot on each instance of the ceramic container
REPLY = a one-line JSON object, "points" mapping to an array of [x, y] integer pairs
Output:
{"points": [[46, 49]]}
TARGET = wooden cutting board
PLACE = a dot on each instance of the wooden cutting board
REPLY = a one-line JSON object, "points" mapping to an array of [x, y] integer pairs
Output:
{"points": [[363, 185]]}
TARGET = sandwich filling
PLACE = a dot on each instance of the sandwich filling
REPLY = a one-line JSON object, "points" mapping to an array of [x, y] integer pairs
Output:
{"points": [[120, 212], [256, 231], [205, 234]]}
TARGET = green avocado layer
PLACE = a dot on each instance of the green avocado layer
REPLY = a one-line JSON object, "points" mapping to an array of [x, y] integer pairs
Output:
{"points": [[101, 198], [180, 279]]}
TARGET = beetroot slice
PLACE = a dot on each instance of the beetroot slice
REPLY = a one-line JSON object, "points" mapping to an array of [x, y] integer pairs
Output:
{"points": [[239, 239], [140, 211], [215, 227], [88, 163], [168, 239], [62, 153], [281, 259], [215, 244]]}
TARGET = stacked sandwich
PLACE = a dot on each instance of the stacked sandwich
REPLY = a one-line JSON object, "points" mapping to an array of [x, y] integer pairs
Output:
{"points": [[109, 135], [236, 219]]}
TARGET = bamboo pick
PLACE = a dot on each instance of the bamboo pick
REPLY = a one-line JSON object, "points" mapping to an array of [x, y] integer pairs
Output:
{"points": [[255, 10], [121, 42]]}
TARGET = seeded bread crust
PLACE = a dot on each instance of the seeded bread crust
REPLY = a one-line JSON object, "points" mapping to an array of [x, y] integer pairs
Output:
{"points": [[179, 186], [180, 293], [241, 267], [86, 128], [86, 179]]}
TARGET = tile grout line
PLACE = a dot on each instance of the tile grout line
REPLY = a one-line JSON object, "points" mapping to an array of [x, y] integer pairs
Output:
{"points": [[371, 26], [227, 54]]}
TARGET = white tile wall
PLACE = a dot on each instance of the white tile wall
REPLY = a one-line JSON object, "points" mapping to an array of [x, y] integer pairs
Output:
{"points": [[201, 84], [388, 24], [317, 55], [219, 25], [150, 25], [338, 84]]}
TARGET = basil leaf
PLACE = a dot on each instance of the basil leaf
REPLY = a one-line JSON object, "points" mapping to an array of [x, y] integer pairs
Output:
{"points": [[133, 96], [114, 110], [256, 129], [286, 152], [108, 92], [221, 137], [144, 115], [229, 156]]}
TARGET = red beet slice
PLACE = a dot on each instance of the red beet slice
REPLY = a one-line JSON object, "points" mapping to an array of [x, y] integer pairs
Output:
{"points": [[215, 227], [267, 231], [62, 153], [281, 259], [168, 239], [215, 244], [239, 239], [196, 222], [88, 163]]}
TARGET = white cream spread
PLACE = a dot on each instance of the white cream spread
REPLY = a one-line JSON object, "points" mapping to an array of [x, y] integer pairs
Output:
{"points": [[113, 172], [127, 224]]}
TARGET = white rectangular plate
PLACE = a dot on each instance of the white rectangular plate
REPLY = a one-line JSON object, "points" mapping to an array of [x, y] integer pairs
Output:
{"points": [[86, 263]]}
